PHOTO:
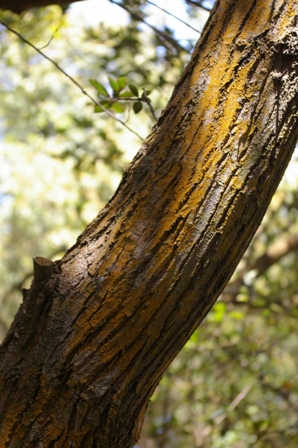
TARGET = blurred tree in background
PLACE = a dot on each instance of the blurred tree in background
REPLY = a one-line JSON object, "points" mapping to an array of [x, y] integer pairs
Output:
{"points": [[235, 383]]}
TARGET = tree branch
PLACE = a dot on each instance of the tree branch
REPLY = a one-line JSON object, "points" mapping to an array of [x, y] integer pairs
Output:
{"points": [[73, 80], [199, 4], [166, 38], [275, 252], [175, 17]]}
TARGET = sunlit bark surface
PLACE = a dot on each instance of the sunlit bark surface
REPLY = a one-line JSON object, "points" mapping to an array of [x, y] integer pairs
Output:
{"points": [[98, 328]]}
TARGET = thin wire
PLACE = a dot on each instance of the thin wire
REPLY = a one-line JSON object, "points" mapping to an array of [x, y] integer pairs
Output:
{"points": [[175, 17], [71, 79]]}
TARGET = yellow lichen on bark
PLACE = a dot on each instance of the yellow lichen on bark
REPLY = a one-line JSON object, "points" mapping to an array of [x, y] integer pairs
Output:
{"points": [[140, 279]]}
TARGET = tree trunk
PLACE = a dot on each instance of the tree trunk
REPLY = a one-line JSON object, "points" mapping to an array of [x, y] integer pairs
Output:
{"points": [[97, 329]]}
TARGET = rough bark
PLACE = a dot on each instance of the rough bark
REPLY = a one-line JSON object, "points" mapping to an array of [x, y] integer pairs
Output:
{"points": [[97, 329]]}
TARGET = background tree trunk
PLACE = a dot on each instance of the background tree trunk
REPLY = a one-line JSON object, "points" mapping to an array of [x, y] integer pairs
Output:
{"points": [[97, 329]]}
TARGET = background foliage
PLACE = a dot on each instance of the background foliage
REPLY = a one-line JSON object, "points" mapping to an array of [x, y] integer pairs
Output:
{"points": [[235, 383]]}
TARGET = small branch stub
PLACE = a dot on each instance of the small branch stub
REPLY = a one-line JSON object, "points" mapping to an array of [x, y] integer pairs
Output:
{"points": [[43, 268]]}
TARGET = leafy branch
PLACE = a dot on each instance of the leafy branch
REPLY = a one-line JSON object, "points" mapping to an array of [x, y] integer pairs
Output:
{"points": [[73, 80], [121, 95]]}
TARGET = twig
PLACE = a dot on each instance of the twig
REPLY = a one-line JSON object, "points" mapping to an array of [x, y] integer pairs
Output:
{"points": [[148, 101], [199, 4], [239, 397], [175, 17], [165, 37], [256, 268], [142, 99], [71, 79], [234, 404], [50, 40]]}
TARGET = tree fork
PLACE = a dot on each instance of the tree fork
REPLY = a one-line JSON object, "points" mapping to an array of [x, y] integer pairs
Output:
{"points": [[91, 341]]}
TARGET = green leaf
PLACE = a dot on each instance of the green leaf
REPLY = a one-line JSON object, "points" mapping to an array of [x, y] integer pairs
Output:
{"points": [[98, 110], [133, 89], [114, 85], [99, 87], [118, 108], [121, 83], [106, 103], [126, 95], [137, 107]]}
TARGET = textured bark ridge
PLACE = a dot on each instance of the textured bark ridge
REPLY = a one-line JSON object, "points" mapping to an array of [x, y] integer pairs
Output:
{"points": [[91, 341]]}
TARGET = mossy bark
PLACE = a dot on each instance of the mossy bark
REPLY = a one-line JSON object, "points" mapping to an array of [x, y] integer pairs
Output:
{"points": [[96, 332]]}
